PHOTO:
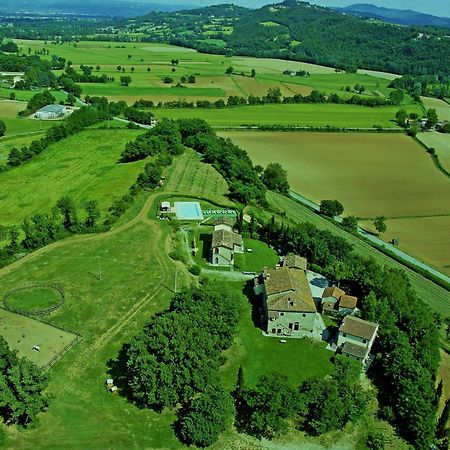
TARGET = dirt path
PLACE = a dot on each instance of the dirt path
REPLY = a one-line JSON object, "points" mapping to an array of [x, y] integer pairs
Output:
{"points": [[81, 238]]}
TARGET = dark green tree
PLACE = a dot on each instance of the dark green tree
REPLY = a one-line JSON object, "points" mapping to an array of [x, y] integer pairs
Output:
{"points": [[2, 128], [22, 385], [432, 118], [350, 223], [92, 213], [275, 178], [331, 208], [202, 419], [401, 116], [270, 404], [441, 428], [125, 80], [68, 209], [380, 224]]}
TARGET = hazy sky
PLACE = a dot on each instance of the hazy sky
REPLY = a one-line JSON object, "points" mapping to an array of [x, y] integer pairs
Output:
{"points": [[435, 7]]}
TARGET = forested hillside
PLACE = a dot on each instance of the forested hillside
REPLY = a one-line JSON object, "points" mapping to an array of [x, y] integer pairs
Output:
{"points": [[300, 31]]}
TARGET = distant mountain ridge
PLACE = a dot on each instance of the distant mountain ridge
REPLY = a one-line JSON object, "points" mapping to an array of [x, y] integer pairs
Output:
{"points": [[398, 16], [87, 8]]}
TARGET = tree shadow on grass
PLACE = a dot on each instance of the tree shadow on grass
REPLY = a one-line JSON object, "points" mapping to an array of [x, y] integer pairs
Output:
{"points": [[256, 304], [207, 241], [117, 370]]}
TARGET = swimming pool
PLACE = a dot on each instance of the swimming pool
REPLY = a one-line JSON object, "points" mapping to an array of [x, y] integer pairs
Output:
{"points": [[188, 211]]}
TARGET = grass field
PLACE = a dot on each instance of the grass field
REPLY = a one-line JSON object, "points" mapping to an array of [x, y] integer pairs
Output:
{"points": [[211, 81], [441, 143], [189, 175], [442, 108], [83, 166], [23, 333], [34, 298], [303, 115], [371, 174], [261, 256], [435, 296], [136, 282], [8, 143]]}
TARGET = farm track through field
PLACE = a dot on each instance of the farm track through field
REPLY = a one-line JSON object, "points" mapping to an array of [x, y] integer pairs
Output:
{"points": [[83, 238]]}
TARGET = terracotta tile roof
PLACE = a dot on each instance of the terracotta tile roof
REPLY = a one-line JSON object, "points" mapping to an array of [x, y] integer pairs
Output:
{"points": [[355, 350], [347, 301], [333, 291], [288, 290], [295, 262], [358, 327], [226, 238]]}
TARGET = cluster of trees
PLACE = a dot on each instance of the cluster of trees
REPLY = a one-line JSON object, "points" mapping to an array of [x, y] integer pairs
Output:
{"points": [[9, 47], [75, 123], [38, 101], [427, 85], [275, 178], [85, 76], [274, 96], [408, 337], [317, 406], [138, 116], [64, 219], [165, 137], [23, 384], [38, 73], [175, 360]]}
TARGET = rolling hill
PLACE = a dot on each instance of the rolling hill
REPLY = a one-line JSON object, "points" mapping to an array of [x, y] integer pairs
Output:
{"points": [[399, 16]]}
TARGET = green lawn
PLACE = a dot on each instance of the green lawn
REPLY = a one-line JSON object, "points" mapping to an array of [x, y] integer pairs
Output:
{"points": [[297, 360], [16, 126], [5, 92], [83, 166], [303, 115], [261, 256], [34, 298], [108, 89]]}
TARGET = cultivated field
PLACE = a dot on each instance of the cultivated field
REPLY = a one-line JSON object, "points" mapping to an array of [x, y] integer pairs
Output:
{"points": [[442, 108], [83, 166], [211, 82], [23, 333], [425, 238], [441, 143], [371, 174], [302, 115]]}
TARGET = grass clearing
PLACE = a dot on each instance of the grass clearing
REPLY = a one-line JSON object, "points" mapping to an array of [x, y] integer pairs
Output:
{"points": [[83, 166], [371, 174], [34, 298], [302, 115], [441, 143], [260, 256], [189, 175], [23, 333], [261, 355], [442, 108], [436, 297]]}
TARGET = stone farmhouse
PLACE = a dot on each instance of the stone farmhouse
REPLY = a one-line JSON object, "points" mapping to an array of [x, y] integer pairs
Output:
{"points": [[356, 337], [225, 243], [289, 308]]}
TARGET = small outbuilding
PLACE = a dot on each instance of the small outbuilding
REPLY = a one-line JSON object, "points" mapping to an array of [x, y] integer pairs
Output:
{"points": [[51, 112]]}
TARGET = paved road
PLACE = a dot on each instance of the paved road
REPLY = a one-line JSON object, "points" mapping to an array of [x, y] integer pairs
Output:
{"points": [[379, 242]]}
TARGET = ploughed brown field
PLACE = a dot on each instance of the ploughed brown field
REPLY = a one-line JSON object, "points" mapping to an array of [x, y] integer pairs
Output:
{"points": [[371, 174]]}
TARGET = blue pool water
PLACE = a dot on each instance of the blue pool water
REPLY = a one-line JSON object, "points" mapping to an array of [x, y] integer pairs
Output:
{"points": [[188, 211]]}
